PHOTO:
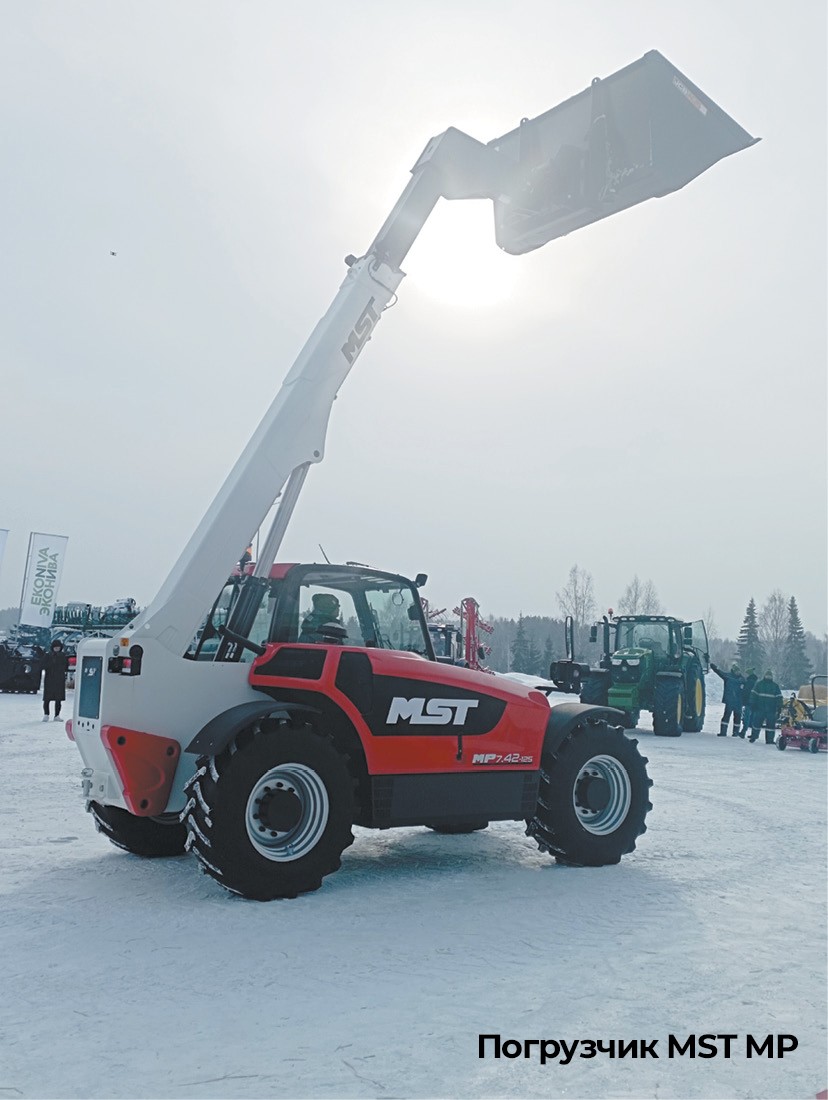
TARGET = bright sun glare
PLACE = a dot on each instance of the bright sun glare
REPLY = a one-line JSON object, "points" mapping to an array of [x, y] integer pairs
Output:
{"points": [[455, 260]]}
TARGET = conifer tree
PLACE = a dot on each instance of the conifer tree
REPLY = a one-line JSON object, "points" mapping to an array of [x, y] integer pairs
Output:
{"points": [[534, 657], [548, 655], [520, 648], [796, 667], [750, 649]]}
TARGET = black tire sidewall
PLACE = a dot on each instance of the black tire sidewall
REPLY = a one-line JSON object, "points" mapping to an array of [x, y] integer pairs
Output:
{"points": [[695, 722], [595, 689], [577, 844], [243, 867], [142, 836], [667, 715]]}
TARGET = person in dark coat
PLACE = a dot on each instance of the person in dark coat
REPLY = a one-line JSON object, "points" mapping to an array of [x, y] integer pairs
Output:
{"points": [[765, 704], [747, 691], [731, 697], [326, 609], [55, 665]]}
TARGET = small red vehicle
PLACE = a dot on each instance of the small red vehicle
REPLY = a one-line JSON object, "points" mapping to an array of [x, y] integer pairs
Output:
{"points": [[809, 733]]}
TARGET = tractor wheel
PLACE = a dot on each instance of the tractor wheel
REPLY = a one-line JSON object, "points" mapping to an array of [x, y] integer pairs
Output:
{"points": [[695, 700], [271, 815], [150, 837], [595, 688], [813, 744], [593, 797], [630, 719], [668, 706], [460, 828], [782, 743]]}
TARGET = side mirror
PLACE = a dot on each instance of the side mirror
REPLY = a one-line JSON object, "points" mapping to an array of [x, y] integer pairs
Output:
{"points": [[687, 634], [413, 613], [421, 580], [593, 633], [481, 653]]}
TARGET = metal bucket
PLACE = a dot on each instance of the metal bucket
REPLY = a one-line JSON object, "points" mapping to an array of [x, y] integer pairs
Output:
{"points": [[641, 133]]}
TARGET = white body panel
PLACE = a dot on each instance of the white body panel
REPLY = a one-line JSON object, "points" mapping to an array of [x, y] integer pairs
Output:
{"points": [[171, 697]]}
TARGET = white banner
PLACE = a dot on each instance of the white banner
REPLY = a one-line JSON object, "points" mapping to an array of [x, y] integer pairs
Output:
{"points": [[4, 534], [40, 586]]}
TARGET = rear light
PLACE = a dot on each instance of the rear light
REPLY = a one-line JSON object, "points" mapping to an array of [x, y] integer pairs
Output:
{"points": [[127, 666], [69, 733], [73, 662]]}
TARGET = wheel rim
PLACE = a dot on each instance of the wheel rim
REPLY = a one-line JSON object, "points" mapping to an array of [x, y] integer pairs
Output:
{"points": [[602, 795], [287, 812]]}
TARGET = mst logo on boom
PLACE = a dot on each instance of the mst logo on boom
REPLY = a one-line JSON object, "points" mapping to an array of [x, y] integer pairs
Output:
{"points": [[431, 712], [360, 333]]}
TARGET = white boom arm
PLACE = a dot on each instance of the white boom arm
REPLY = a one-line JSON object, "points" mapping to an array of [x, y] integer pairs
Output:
{"points": [[292, 434]]}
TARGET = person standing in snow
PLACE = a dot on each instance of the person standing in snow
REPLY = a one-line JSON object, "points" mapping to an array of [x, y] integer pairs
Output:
{"points": [[55, 665], [731, 697], [747, 691], [765, 704]]}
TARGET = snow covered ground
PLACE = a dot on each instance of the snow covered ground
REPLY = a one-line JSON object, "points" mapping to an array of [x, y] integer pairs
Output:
{"points": [[130, 978]]}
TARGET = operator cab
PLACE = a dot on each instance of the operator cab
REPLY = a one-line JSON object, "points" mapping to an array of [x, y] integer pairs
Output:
{"points": [[313, 605]]}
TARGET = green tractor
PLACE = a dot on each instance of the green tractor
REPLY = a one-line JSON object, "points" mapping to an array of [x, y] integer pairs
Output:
{"points": [[650, 662]]}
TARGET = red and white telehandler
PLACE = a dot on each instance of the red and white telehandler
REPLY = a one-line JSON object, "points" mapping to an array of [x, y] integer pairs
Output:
{"points": [[258, 727]]}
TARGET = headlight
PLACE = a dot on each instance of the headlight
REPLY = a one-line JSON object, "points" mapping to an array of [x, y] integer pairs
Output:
{"points": [[631, 661], [616, 661]]}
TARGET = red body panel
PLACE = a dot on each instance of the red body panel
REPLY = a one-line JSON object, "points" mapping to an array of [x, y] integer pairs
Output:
{"points": [[145, 764], [513, 743]]}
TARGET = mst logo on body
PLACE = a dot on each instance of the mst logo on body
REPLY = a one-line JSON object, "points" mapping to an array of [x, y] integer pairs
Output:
{"points": [[430, 712]]}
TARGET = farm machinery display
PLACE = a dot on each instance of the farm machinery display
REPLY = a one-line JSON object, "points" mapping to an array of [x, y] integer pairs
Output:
{"points": [[811, 732], [459, 642], [21, 663], [649, 662], [259, 732]]}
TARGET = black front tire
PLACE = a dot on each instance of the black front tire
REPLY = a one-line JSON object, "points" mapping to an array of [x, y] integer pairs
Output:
{"points": [[460, 828], [149, 837], [813, 744], [695, 700], [271, 815], [668, 706], [593, 797], [782, 743], [595, 688]]}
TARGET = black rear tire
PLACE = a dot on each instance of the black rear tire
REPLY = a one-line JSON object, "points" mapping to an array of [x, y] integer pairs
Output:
{"points": [[813, 744], [150, 837], [460, 828], [271, 815], [782, 743], [593, 797], [668, 705], [695, 700], [595, 688]]}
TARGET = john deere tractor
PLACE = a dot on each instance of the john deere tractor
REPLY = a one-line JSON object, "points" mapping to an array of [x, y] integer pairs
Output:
{"points": [[650, 662]]}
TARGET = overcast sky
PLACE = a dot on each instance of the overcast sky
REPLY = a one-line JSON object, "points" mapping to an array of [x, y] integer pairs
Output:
{"points": [[647, 395]]}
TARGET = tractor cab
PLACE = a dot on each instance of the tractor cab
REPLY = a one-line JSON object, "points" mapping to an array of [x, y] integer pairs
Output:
{"points": [[313, 605]]}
